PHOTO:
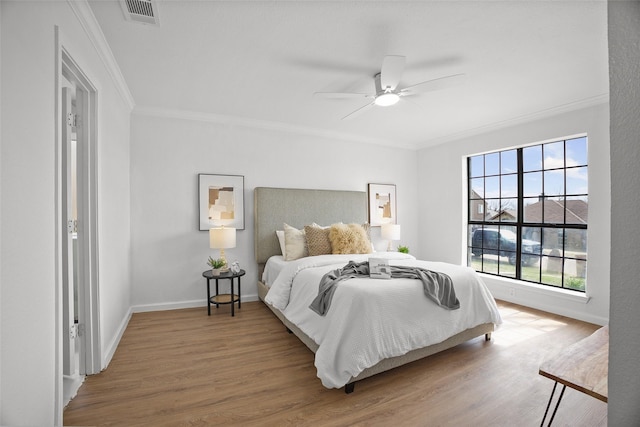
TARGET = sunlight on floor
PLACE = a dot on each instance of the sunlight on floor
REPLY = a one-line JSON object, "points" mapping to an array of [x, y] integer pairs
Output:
{"points": [[519, 325]]}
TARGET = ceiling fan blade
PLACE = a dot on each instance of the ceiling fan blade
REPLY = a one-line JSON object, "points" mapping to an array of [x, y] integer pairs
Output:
{"points": [[435, 84], [358, 111], [342, 95], [391, 72]]}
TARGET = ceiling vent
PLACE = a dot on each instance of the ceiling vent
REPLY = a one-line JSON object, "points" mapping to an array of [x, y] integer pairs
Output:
{"points": [[145, 11]]}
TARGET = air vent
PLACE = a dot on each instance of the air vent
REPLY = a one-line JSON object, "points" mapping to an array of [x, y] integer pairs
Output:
{"points": [[145, 11]]}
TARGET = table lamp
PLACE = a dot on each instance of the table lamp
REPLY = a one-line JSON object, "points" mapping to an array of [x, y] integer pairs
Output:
{"points": [[390, 232], [222, 238]]}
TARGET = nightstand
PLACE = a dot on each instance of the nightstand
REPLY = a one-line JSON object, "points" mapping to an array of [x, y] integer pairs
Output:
{"points": [[218, 298]]}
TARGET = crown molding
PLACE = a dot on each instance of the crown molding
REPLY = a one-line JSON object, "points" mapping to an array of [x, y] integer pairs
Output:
{"points": [[520, 120], [229, 120], [88, 21]]}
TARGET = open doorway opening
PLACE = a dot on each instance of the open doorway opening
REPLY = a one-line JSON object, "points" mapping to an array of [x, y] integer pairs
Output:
{"points": [[78, 329], [72, 344]]}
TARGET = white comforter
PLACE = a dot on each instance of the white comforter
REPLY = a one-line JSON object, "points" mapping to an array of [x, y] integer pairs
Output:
{"points": [[374, 319]]}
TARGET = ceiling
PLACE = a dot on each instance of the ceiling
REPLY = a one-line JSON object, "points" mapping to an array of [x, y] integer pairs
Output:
{"points": [[259, 63]]}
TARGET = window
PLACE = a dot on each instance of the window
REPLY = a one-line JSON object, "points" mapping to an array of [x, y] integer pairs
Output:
{"points": [[528, 210]]}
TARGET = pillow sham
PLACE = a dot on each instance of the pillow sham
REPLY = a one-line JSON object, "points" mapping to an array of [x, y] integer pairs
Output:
{"points": [[318, 242], [349, 239], [295, 243]]}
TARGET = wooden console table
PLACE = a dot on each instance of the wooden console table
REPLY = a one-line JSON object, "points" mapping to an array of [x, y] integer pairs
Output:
{"points": [[583, 366]]}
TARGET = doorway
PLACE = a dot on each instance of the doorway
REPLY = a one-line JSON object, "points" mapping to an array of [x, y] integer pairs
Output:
{"points": [[79, 351]]}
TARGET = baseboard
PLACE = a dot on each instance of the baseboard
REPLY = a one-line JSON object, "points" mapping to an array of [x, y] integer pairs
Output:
{"points": [[143, 308], [113, 345]]}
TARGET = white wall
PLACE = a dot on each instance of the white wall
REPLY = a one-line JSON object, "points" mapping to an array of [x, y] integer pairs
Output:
{"points": [[28, 166], [443, 207], [624, 364], [0, 204], [169, 253]]}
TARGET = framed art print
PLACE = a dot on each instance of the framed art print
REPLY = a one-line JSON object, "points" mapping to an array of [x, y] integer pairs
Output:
{"points": [[221, 201], [382, 204]]}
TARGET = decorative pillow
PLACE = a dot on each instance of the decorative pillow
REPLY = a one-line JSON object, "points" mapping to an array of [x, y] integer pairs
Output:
{"points": [[295, 243], [283, 248], [349, 239], [318, 242]]}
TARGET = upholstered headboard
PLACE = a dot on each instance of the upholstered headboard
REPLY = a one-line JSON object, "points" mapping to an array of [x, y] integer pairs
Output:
{"points": [[299, 207]]}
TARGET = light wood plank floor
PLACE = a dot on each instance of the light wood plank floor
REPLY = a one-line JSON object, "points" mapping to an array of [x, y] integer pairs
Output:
{"points": [[183, 367]]}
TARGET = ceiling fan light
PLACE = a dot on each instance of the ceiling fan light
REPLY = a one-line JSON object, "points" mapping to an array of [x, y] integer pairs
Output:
{"points": [[387, 99]]}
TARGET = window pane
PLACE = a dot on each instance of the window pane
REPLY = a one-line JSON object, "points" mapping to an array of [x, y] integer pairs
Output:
{"points": [[532, 158], [554, 183], [477, 187], [492, 164], [493, 210], [577, 151], [552, 239], [492, 187], [577, 210], [477, 166], [531, 247], [532, 184], [531, 272], [577, 179], [553, 210], [553, 155], [575, 274], [490, 264], [509, 186], [506, 268], [533, 234], [575, 243], [533, 210], [509, 161], [551, 271], [509, 210], [477, 210]]}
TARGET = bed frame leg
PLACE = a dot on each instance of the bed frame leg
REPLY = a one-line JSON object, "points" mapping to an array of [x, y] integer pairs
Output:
{"points": [[487, 337], [348, 388]]}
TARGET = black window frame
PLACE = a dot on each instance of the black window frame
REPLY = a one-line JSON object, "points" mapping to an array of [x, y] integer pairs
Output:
{"points": [[520, 223]]}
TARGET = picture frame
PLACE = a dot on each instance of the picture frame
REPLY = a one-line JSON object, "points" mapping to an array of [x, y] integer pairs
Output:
{"points": [[220, 201], [382, 204]]}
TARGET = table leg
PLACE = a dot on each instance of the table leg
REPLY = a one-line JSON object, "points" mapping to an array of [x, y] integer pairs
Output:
{"points": [[233, 303], [217, 293], [208, 298], [549, 404], [239, 294]]}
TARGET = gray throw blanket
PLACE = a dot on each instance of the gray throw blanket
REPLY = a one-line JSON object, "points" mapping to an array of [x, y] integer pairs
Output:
{"points": [[437, 286]]}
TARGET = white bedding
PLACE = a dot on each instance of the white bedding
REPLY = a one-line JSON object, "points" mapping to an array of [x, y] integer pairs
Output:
{"points": [[272, 269], [370, 320]]}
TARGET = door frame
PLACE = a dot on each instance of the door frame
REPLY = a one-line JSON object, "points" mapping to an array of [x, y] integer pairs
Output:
{"points": [[87, 190]]}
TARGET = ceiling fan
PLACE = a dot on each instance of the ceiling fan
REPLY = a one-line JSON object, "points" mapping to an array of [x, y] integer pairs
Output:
{"points": [[386, 84]]}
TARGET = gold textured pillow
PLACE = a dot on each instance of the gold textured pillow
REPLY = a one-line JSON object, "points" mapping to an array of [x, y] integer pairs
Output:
{"points": [[318, 242], [349, 239]]}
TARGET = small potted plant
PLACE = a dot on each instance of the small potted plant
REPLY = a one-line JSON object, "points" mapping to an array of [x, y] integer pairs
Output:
{"points": [[403, 249], [216, 265]]}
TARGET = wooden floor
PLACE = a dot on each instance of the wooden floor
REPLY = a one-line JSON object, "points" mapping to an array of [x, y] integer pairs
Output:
{"points": [[183, 367]]}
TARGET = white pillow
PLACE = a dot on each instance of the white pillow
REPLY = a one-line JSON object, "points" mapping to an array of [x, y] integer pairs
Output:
{"points": [[280, 235], [295, 243]]}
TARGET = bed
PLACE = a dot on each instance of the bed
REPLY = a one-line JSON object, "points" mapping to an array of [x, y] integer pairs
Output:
{"points": [[342, 357]]}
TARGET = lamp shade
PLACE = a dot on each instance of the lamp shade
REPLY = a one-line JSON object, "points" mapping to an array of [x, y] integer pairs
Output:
{"points": [[221, 238], [390, 231]]}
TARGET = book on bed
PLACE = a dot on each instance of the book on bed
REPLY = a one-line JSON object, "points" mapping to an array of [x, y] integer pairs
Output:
{"points": [[379, 268]]}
